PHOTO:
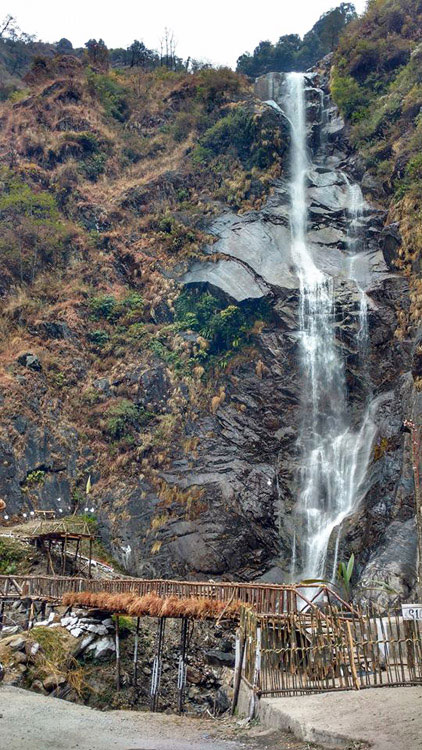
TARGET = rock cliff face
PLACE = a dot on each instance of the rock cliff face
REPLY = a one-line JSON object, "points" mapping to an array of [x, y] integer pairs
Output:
{"points": [[239, 458], [245, 462]]}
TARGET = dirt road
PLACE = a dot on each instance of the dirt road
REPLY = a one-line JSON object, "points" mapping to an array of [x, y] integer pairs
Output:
{"points": [[35, 722]]}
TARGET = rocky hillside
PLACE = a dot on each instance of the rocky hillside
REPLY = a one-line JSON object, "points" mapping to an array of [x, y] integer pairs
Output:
{"points": [[149, 319], [109, 185]]}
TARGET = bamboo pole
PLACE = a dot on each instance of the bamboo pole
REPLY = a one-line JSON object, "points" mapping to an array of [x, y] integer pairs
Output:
{"points": [[135, 654], [181, 675], [240, 653], [156, 668], [90, 558], [351, 655], [117, 642]]}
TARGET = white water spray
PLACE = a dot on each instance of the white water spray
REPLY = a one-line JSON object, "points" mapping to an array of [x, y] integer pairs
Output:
{"points": [[334, 457]]}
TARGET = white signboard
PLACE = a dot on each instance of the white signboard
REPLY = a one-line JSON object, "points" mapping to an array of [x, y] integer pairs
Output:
{"points": [[411, 611]]}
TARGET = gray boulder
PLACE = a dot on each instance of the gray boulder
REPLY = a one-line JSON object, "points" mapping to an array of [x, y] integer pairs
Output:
{"points": [[102, 649]]}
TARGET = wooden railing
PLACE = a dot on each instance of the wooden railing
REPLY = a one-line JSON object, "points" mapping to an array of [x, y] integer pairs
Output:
{"points": [[263, 598]]}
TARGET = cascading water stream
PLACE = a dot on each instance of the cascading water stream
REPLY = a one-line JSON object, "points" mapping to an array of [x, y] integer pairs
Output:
{"points": [[334, 457], [358, 264]]}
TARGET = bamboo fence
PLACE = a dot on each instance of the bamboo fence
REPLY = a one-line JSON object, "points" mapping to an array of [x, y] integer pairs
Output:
{"points": [[329, 649]]}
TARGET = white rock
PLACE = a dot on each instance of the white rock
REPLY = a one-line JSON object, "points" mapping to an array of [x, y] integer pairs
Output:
{"points": [[83, 645], [98, 629], [76, 632], [66, 621], [34, 648], [10, 629], [102, 648]]}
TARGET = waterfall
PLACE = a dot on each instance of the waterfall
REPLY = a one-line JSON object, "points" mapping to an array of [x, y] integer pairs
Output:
{"points": [[333, 456]]}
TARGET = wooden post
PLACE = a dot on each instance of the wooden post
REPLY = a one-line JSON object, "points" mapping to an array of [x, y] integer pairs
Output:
{"points": [[3, 604], [117, 639], [50, 559], [90, 558], [256, 673], [352, 655], [156, 667], [29, 614], [415, 431], [75, 561], [240, 653], [181, 673], [135, 654], [63, 556]]}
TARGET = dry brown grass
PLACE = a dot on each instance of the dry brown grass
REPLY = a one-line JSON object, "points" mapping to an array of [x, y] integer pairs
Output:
{"points": [[152, 605]]}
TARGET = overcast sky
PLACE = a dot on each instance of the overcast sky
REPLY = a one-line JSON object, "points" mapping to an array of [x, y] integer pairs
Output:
{"points": [[215, 30]]}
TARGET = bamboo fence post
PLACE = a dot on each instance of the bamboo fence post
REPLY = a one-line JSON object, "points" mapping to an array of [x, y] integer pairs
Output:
{"points": [[352, 656], [135, 654], [2, 606], [90, 558], [181, 673], [117, 641], [156, 667], [240, 653]]}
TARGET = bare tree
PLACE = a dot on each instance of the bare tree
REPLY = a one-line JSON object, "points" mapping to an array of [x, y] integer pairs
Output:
{"points": [[168, 49], [8, 23]]}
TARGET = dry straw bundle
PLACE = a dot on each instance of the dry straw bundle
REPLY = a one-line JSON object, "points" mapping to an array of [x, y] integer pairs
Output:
{"points": [[152, 605]]}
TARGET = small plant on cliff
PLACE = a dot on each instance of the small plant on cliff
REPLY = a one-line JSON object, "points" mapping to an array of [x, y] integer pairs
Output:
{"points": [[226, 327], [123, 416], [99, 338], [345, 572], [112, 95], [32, 234], [106, 306], [11, 554], [34, 478]]}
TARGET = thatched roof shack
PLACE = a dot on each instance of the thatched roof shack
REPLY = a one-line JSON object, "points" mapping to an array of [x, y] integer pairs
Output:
{"points": [[152, 605]]}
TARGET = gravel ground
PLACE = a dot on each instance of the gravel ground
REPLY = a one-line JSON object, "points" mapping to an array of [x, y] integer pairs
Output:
{"points": [[29, 720]]}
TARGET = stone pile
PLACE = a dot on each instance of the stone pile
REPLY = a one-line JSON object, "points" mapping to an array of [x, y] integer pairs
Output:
{"points": [[95, 628]]}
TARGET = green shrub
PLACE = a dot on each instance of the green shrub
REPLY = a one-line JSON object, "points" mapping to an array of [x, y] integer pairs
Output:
{"points": [[99, 338], [182, 126], [216, 86], [107, 307], [103, 306], [86, 140], [11, 554], [35, 477], [112, 95], [173, 233], [348, 95], [245, 136], [32, 234], [122, 416], [226, 327], [236, 131], [94, 166]]}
